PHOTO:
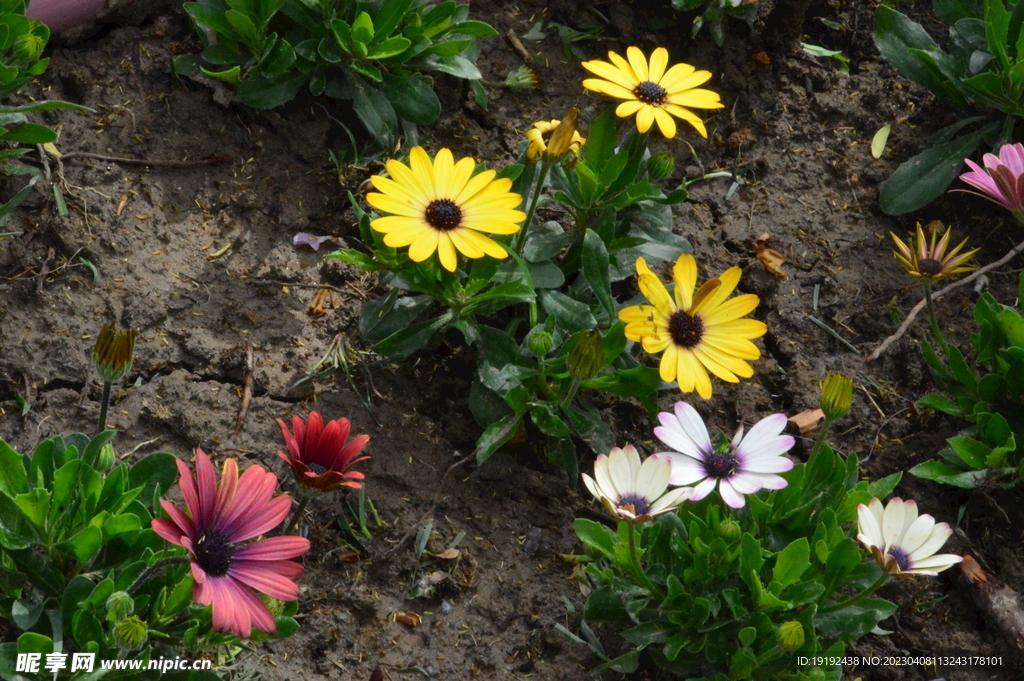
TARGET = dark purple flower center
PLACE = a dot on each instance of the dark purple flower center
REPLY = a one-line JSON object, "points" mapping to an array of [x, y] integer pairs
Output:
{"points": [[637, 504], [650, 93], [214, 553], [901, 556], [316, 468], [721, 465], [929, 267], [686, 331], [443, 215]]}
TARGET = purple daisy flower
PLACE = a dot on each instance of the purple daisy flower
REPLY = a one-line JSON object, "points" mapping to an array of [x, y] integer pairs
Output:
{"points": [[747, 465], [1002, 178]]}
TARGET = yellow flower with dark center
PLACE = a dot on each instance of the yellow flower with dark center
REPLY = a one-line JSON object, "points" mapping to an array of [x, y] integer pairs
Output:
{"points": [[652, 92], [554, 139], [442, 206], [697, 332], [928, 260]]}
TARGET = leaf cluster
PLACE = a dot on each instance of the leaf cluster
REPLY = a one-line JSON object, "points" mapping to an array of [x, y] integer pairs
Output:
{"points": [[370, 52], [988, 393], [722, 587], [981, 70], [715, 13]]}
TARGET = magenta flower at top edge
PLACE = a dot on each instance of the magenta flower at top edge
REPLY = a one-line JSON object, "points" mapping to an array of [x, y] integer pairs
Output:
{"points": [[1002, 179], [219, 518], [319, 456], [747, 465]]}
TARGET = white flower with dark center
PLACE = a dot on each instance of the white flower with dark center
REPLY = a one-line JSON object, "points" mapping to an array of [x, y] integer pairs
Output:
{"points": [[631, 490], [747, 465], [902, 542]]}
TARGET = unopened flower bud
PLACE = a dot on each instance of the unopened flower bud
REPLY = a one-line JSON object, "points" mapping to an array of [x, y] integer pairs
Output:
{"points": [[587, 356], [29, 47], [563, 136], [275, 606], [790, 635], [105, 459], [729, 530], [523, 79], [114, 352], [120, 604], [130, 633], [540, 343], [660, 166], [836, 395]]}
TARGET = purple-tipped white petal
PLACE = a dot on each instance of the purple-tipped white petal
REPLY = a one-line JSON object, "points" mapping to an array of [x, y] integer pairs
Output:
{"points": [[940, 533], [684, 431], [744, 483], [602, 473], [769, 464], [685, 470], [893, 521], [703, 489], [670, 500], [730, 496], [623, 466], [770, 481], [592, 486], [869, 530], [653, 476], [917, 534], [938, 562], [313, 241]]}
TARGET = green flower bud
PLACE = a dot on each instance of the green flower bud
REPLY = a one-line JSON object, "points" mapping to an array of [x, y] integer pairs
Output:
{"points": [[540, 343], [114, 352], [275, 606], [729, 530], [29, 47], [120, 604], [836, 395], [523, 79], [587, 356], [130, 633], [660, 166], [790, 635], [106, 457]]}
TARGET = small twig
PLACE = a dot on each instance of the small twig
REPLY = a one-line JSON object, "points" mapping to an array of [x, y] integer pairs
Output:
{"points": [[247, 391], [73, 155], [827, 329], [938, 294], [518, 46], [1000, 604], [44, 270]]}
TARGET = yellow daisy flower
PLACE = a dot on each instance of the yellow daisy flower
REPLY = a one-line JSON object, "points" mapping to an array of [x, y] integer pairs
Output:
{"points": [[696, 332], [443, 207], [929, 261], [651, 92]]}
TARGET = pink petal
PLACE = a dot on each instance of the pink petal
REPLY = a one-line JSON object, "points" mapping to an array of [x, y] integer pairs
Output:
{"points": [[263, 519], [169, 530], [256, 611], [188, 489], [270, 583], [274, 548], [206, 484]]}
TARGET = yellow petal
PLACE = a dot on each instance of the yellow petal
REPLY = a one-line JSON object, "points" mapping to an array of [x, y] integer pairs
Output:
{"points": [[735, 346], [466, 246], [486, 244], [688, 116], [638, 62], [424, 245], [684, 274], [610, 73], [607, 88], [675, 75], [444, 168], [446, 252], [405, 235], [652, 288], [644, 118], [623, 65], [730, 310], [423, 170], [729, 280], [460, 176], [388, 186], [628, 108], [390, 204], [475, 185], [659, 60], [711, 363], [669, 364], [739, 328], [687, 370], [659, 342], [412, 184], [697, 99], [666, 123]]}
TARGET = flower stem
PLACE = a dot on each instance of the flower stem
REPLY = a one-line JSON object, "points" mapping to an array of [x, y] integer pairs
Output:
{"points": [[145, 575], [820, 440], [936, 331], [104, 401], [304, 498], [537, 191], [636, 567], [842, 605]]}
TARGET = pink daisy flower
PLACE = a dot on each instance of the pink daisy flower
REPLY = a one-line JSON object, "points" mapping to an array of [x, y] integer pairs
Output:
{"points": [[747, 465], [321, 457], [1002, 179], [219, 518]]}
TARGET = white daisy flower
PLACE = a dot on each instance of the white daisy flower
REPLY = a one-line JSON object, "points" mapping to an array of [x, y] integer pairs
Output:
{"points": [[631, 490], [748, 464], [902, 542]]}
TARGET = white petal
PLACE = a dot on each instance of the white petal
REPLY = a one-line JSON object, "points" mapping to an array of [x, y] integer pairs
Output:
{"points": [[772, 464], [768, 427], [605, 484], [685, 470], [870, 532], [703, 489], [917, 534], [771, 481], [737, 439], [592, 486], [690, 424], [730, 496], [671, 499], [937, 563], [940, 533], [745, 483], [652, 479], [678, 440], [620, 469], [774, 446], [892, 522]]}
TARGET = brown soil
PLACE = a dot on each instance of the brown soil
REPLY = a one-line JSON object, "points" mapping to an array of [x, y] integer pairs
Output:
{"points": [[798, 130]]}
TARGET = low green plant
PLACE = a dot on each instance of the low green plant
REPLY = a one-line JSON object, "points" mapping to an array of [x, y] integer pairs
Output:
{"points": [[22, 42], [715, 13], [373, 53], [988, 392], [980, 73]]}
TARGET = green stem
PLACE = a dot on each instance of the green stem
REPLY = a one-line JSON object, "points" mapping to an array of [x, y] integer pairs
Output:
{"points": [[842, 605], [573, 387], [304, 498], [149, 572], [637, 568], [936, 331], [104, 401], [820, 440], [537, 191], [528, 278]]}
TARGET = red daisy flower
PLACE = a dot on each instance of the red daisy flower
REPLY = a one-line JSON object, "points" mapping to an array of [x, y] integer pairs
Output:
{"points": [[218, 519], [321, 457]]}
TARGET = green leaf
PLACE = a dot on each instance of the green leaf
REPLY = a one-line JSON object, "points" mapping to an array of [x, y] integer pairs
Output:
{"points": [[924, 177], [84, 545], [570, 315], [403, 343], [13, 479], [389, 48], [545, 416], [940, 403], [790, 564], [595, 271], [375, 111], [895, 34], [940, 472], [601, 139], [38, 571], [155, 474], [361, 260], [997, 26], [413, 98], [495, 435], [478, 29], [390, 16], [246, 29], [883, 487], [972, 452], [29, 133], [952, 11], [362, 29], [35, 505], [456, 65], [264, 92], [586, 421], [545, 241]]}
